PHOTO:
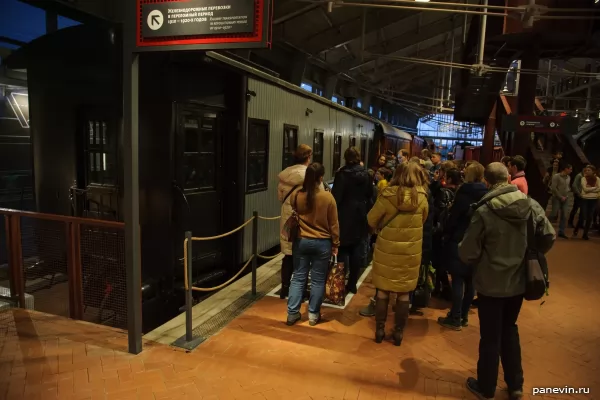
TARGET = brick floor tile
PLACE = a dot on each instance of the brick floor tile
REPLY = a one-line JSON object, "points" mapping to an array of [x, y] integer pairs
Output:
{"points": [[258, 357]]}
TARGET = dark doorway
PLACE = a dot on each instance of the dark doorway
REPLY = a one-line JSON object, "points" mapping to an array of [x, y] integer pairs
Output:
{"points": [[199, 173]]}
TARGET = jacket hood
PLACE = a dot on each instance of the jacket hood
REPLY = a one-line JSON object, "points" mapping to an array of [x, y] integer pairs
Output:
{"points": [[508, 203], [390, 194], [473, 190], [354, 172], [293, 176]]}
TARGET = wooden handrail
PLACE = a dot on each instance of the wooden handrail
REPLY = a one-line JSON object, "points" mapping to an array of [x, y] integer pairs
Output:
{"points": [[63, 218]]}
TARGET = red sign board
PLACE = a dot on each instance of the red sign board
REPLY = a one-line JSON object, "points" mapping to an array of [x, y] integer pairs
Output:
{"points": [[203, 24]]}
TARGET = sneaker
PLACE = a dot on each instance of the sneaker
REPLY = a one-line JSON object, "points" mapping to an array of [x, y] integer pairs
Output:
{"points": [[464, 322], [515, 395], [450, 323], [562, 235], [313, 319], [586, 237], [473, 387], [293, 318], [368, 311]]}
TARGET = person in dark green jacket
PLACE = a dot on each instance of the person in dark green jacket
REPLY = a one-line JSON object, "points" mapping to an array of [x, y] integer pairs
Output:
{"points": [[494, 244]]}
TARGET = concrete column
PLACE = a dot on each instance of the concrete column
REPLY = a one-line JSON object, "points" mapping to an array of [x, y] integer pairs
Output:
{"points": [[297, 68], [330, 86]]}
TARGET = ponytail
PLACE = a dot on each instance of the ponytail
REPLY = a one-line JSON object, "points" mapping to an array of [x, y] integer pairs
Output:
{"points": [[312, 180]]}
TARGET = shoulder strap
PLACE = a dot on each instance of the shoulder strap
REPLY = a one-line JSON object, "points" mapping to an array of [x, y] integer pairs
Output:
{"points": [[290, 192], [530, 233]]}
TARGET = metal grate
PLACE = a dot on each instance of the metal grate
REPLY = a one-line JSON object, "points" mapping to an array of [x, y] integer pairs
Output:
{"points": [[235, 309], [45, 264], [103, 276]]}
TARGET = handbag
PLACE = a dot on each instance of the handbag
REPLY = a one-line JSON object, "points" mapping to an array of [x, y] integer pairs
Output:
{"points": [[536, 279], [335, 286], [291, 228]]}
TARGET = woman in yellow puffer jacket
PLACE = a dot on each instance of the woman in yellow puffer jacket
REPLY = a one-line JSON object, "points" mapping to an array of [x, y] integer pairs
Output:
{"points": [[399, 214]]}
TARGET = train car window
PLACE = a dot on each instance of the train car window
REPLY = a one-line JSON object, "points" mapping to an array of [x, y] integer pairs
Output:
{"points": [[101, 149], [353, 141], [337, 152], [363, 149], [290, 143], [318, 146], [199, 155], [257, 156]]}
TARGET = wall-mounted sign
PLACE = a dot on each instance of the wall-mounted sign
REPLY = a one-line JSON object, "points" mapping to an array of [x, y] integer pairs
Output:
{"points": [[542, 124], [203, 24]]}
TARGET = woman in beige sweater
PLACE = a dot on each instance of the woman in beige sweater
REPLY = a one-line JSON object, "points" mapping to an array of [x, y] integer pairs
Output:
{"points": [[318, 240]]}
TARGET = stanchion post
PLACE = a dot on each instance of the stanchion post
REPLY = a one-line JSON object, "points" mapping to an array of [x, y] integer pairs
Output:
{"points": [[254, 250], [188, 292]]}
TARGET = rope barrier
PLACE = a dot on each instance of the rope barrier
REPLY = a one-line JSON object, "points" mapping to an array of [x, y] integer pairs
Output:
{"points": [[199, 239], [226, 283], [269, 219], [268, 257]]}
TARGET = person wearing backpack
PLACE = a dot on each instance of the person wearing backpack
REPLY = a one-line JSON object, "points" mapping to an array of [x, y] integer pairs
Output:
{"points": [[459, 217], [442, 201], [496, 245]]}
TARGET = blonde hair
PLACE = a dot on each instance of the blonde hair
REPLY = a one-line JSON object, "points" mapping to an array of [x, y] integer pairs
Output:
{"points": [[409, 176], [474, 172]]}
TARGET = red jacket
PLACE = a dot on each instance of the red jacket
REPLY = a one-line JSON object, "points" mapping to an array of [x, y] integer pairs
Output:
{"points": [[520, 182]]}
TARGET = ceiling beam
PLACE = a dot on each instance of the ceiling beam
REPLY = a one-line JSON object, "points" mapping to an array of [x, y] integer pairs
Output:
{"points": [[426, 49], [299, 11], [351, 30], [400, 74], [433, 25]]}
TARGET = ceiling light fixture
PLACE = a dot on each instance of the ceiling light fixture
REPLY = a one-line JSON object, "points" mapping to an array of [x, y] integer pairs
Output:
{"points": [[422, 1]]}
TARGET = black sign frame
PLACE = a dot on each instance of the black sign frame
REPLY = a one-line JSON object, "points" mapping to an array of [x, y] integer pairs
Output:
{"points": [[261, 37]]}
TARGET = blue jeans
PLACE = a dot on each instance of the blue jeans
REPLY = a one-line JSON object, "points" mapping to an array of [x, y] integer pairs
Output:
{"points": [[463, 293], [309, 255], [560, 206]]}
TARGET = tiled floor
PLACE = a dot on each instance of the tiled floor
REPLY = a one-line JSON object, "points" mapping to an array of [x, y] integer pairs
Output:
{"points": [[258, 357]]}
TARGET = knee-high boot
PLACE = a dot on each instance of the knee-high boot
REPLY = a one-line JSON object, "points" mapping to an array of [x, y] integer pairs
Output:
{"points": [[381, 310], [400, 318]]}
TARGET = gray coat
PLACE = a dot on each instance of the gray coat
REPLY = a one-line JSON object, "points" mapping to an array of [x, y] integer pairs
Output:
{"points": [[496, 241]]}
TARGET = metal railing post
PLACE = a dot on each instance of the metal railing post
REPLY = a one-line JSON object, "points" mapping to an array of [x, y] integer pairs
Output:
{"points": [[254, 250], [188, 291]]}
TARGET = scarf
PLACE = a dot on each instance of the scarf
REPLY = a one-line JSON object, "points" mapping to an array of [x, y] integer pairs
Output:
{"points": [[591, 181]]}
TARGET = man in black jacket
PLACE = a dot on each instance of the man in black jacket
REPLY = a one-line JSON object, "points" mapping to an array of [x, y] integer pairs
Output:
{"points": [[495, 244], [353, 193]]}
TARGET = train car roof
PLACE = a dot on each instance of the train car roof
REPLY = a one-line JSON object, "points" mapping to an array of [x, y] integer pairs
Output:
{"points": [[296, 89], [391, 130]]}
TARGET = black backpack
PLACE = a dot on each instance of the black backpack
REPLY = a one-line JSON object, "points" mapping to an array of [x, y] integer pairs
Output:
{"points": [[442, 210]]}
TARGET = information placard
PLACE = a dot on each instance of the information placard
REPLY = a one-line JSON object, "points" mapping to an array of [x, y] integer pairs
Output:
{"points": [[197, 17], [167, 25]]}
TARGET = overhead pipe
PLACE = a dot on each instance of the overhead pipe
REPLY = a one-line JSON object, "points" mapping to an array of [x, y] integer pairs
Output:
{"points": [[443, 71], [455, 11], [482, 34], [507, 8], [451, 61]]}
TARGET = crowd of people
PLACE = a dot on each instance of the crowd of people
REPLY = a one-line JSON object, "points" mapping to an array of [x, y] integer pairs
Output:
{"points": [[470, 224]]}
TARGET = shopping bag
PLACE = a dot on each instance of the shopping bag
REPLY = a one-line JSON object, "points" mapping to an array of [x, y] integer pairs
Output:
{"points": [[335, 286]]}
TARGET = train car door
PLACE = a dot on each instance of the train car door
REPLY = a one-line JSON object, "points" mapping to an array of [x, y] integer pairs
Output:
{"points": [[198, 185]]}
